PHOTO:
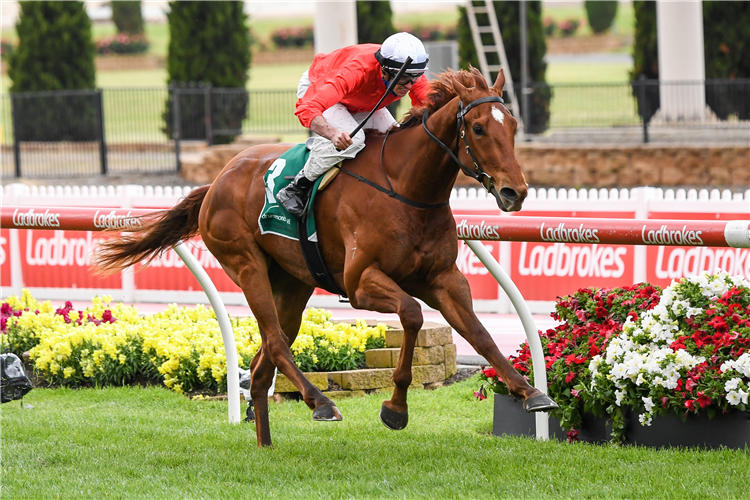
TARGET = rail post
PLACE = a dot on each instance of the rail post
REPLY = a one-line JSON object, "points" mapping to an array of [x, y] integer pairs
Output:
{"points": [[532, 334]]}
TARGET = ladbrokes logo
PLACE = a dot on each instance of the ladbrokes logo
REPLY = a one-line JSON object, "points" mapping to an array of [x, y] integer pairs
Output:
{"points": [[562, 234], [595, 261], [663, 236], [33, 219], [476, 232], [114, 221]]}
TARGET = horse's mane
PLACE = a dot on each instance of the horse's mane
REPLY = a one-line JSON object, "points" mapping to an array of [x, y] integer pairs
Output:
{"points": [[442, 92]]}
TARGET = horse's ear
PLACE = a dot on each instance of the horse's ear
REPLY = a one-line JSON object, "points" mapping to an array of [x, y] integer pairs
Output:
{"points": [[499, 83], [479, 80], [459, 89]]}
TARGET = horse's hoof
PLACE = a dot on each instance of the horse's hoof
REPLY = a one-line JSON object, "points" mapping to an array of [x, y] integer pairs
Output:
{"points": [[540, 402], [394, 420], [327, 413]]}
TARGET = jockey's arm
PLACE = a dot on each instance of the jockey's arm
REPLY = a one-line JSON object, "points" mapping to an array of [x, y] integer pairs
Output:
{"points": [[339, 138]]}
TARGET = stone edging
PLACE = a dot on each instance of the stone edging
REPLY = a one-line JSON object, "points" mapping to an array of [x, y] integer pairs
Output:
{"points": [[434, 361]]}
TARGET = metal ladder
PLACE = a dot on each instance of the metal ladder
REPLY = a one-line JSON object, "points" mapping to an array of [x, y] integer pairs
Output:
{"points": [[491, 71]]}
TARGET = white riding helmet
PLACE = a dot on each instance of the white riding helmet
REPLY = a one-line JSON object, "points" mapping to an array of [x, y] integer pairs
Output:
{"points": [[396, 48]]}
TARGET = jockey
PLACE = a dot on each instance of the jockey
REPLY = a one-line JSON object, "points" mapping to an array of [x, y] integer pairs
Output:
{"points": [[338, 91]]}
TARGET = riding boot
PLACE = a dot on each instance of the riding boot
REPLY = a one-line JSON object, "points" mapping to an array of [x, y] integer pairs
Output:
{"points": [[294, 197]]}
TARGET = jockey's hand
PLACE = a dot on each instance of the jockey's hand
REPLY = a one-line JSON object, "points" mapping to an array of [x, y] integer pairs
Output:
{"points": [[341, 140]]}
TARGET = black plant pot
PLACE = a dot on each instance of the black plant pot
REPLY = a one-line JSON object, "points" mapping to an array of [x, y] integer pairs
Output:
{"points": [[512, 420], [731, 430]]}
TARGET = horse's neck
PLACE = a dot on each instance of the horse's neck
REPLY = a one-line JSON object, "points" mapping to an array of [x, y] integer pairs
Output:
{"points": [[417, 165]]}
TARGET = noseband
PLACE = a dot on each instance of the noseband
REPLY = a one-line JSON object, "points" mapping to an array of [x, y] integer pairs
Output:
{"points": [[478, 172]]}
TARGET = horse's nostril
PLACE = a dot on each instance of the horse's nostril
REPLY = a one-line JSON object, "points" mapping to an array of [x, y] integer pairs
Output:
{"points": [[509, 194]]}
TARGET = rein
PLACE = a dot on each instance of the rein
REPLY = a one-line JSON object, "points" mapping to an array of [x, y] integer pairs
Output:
{"points": [[390, 192], [479, 174]]}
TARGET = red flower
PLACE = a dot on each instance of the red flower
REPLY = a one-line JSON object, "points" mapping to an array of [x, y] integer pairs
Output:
{"points": [[664, 401], [575, 393], [570, 376], [690, 384], [572, 435], [689, 404], [489, 372], [480, 395], [703, 400]]}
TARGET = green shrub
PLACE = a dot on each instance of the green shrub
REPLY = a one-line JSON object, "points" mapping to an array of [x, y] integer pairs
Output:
{"points": [[127, 17], [601, 14], [214, 51], [6, 48], [507, 16], [374, 22], [726, 34], [645, 58], [289, 38], [122, 43], [55, 52]]}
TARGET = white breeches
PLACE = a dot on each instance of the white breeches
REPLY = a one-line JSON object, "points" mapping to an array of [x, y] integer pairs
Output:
{"points": [[324, 154]]}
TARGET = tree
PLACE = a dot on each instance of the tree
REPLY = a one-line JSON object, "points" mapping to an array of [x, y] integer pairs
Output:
{"points": [[127, 17], [601, 14], [209, 45], [726, 35], [508, 19], [375, 24], [55, 52], [374, 21], [645, 58]]}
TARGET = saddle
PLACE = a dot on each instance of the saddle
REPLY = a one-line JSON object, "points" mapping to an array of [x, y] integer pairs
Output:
{"points": [[275, 219]]}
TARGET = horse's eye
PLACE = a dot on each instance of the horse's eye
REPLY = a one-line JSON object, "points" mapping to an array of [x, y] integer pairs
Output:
{"points": [[477, 130]]}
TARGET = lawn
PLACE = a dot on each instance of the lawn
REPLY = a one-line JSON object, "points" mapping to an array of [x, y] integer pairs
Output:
{"points": [[154, 443]]}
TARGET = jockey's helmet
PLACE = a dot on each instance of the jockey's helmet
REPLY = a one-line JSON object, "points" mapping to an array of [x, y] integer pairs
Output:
{"points": [[396, 48]]}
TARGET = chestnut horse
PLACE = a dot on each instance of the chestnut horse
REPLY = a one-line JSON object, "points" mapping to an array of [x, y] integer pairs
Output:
{"points": [[383, 251]]}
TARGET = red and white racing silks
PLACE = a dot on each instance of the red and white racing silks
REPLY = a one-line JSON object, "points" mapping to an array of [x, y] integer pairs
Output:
{"points": [[350, 76]]}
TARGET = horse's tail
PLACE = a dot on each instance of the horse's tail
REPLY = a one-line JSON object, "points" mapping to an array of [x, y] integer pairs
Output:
{"points": [[155, 236]]}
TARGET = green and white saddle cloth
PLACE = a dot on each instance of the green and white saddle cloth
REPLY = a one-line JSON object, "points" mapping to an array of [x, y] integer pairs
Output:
{"points": [[274, 218]]}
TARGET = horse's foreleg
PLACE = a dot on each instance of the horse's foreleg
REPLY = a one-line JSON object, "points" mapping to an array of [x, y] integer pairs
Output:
{"points": [[450, 294], [377, 292]]}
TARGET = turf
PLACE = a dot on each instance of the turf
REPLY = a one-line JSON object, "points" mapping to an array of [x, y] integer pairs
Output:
{"points": [[152, 443]]}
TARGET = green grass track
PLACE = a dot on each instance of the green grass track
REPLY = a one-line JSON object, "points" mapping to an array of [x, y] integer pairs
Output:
{"points": [[152, 443]]}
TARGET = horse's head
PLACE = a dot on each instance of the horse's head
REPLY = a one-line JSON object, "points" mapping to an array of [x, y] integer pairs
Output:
{"points": [[488, 139]]}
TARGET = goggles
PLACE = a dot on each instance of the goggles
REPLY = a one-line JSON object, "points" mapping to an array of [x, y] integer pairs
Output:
{"points": [[406, 79]]}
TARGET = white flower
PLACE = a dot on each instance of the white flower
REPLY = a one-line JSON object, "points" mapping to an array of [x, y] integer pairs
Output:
{"points": [[693, 311], [645, 419], [621, 394], [731, 384], [743, 396], [640, 380], [648, 404], [734, 398]]}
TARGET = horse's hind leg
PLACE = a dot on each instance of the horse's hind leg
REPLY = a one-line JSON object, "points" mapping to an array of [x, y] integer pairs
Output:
{"points": [[253, 277], [377, 292]]}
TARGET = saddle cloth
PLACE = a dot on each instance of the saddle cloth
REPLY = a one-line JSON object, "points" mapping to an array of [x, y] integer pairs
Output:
{"points": [[274, 218]]}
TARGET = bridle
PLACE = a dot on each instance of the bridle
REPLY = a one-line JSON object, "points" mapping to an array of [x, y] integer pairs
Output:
{"points": [[478, 174]]}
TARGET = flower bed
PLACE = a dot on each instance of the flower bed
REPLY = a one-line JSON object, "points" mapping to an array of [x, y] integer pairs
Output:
{"points": [[181, 347], [641, 351]]}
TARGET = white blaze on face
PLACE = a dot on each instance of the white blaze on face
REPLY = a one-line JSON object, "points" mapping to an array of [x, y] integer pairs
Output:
{"points": [[498, 115]]}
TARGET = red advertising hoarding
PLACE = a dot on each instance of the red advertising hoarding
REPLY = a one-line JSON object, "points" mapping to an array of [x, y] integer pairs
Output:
{"points": [[666, 263], [544, 271]]}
